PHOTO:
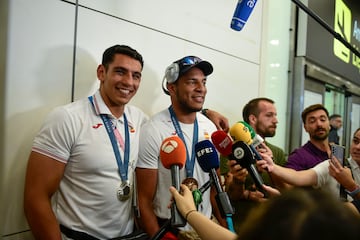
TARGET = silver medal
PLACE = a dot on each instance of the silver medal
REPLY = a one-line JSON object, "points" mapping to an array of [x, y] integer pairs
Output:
{"points": [[124, 191]]}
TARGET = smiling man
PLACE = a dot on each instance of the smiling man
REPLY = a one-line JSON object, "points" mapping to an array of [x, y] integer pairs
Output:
{"points": [[75, 187], [186, 85], [316, 123]]}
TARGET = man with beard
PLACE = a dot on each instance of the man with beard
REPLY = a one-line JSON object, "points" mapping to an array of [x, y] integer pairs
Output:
{"points": [[186, 84], [316, 123], [261, 115]]}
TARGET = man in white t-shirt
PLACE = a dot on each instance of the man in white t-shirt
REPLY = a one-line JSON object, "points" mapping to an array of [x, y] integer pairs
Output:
{"points": [[186, 85], [74, 163], [79, 179]]}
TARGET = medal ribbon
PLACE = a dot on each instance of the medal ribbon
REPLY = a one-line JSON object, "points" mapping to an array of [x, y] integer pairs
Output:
{"points": [[123, 168], [190, 162]]}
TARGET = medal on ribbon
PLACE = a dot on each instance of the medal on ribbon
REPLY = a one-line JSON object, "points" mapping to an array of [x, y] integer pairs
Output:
{"points": [[124, 191]]}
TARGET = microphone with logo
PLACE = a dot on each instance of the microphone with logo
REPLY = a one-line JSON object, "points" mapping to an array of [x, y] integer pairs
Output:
{"points": [[223, 143], [241, 132], [242, 12], [173, 156], [244, 156], [208, 160], [256, 138]]}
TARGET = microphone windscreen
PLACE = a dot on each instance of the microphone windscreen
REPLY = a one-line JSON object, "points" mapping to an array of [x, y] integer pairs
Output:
{"points": [[239, 132], [172, 152], [251, 129], [257, 140], [222, 142], [206, 155]]}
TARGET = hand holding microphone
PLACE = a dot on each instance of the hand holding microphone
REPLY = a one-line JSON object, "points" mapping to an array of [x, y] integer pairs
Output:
{"points": [[183, 199], [243, 154], [173, 156]]}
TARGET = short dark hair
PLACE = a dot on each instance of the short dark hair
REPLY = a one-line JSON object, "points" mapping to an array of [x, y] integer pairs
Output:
{"points": [[334, 116], [252, 107], [108, 55], [313, 108]]}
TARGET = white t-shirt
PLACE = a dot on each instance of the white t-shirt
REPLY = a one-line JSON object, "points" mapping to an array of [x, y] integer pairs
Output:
{"points": [[324, 180], [153, 133], [86, 200]]}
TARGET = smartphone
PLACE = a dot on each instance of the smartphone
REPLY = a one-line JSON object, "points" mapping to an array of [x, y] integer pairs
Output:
{"points": [[339, 152]]}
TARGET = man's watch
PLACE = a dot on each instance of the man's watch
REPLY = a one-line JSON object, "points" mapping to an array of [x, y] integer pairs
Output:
{"points": [[204, 111]]}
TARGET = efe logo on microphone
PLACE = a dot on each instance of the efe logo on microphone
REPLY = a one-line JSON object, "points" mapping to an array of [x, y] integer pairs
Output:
{"points": [[204, 151]]}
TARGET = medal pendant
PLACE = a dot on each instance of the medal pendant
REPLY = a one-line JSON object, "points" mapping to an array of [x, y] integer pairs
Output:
{"points": [[124, 191]]}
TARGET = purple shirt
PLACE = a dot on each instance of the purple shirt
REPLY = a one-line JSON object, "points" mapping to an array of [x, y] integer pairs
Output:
{"points": [[306, 157]]}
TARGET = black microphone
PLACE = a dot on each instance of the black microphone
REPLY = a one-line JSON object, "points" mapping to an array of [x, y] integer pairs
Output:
{"points": [[245, 157], [208, 160]]}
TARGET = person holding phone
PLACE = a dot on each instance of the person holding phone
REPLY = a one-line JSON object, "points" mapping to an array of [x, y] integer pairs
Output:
{"points": [[327, 174]]}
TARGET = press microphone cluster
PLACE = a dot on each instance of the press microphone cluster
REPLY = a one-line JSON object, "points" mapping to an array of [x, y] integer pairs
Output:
{"points": [[239, 147], [242, 12], [173, 156]]}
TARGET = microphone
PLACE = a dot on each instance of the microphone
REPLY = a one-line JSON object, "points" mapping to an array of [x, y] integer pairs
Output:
{"points": [[256, 138], [208, 160], [242, 12], [244, 156], [173, 156], [223, 142], [240, 132]]}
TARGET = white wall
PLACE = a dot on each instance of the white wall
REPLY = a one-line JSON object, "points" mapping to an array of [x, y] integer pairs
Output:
{"points": [[39, 65]]}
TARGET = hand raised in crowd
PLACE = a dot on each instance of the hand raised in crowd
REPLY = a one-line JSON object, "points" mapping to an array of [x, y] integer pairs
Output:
{"points": [[341, 174], [238, 173], [267, 162]]}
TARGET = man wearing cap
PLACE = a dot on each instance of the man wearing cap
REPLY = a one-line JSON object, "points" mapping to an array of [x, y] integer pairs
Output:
{"points": [[186, 84]]}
